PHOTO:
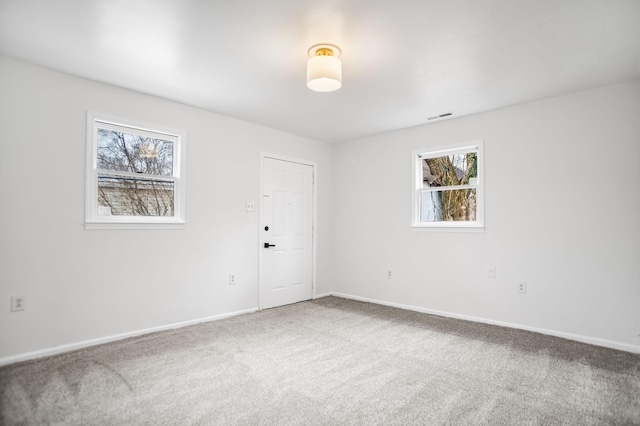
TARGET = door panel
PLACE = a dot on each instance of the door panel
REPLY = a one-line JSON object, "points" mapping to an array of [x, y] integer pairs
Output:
{"points": [[286, 269]]}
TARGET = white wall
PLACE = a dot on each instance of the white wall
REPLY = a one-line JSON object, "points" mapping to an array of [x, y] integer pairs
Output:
{"points": [[562, 213], [576, 154], [82, 285]]}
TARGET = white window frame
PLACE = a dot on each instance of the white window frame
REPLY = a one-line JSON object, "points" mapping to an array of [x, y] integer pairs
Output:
{"points": [[95, 221], [417, 187]]}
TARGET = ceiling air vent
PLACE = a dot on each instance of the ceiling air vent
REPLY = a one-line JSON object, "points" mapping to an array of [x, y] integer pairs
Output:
{"points": [[435, 117]]}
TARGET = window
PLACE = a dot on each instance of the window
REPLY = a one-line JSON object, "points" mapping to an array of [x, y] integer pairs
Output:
{"points": [[133, 175], [448, 187]]}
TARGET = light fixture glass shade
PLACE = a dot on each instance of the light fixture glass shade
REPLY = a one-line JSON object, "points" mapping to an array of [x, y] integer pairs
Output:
{"points": [[324, 73]]}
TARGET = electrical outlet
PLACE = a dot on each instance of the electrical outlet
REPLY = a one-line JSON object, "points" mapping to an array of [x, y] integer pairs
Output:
{"points": [[17, 303], [232, 279], [522, 287], [491, 271], [389, 276], [251, 206]]}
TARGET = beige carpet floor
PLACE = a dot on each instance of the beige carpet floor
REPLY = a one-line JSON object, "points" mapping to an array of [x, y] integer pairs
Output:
{"points": [[328, 362]]}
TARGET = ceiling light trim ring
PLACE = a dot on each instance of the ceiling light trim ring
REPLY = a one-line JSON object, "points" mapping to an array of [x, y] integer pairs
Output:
{"points": [[335, 50]]}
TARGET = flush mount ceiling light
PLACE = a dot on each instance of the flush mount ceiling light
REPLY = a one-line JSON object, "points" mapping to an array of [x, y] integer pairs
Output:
{"points": [[324, 69]]}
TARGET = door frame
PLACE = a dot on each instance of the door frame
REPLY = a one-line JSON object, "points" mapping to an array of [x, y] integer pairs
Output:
{"points": [[314, 210]]}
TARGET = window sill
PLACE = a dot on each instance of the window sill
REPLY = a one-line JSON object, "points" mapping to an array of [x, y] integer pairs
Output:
{"points": [[117, 225], [450, 228]]}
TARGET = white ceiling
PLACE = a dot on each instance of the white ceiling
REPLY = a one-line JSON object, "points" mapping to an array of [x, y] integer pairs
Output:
{"points": [[403, 60]]}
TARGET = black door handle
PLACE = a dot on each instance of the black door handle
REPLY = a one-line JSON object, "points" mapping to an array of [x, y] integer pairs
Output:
{"points": [[267, 245]]}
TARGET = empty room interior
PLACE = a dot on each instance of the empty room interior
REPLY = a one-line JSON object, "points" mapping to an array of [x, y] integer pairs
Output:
{"points": [[337, 212]]}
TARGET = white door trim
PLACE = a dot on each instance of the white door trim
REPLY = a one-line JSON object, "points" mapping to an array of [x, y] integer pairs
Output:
{"points": [[314, 166]]}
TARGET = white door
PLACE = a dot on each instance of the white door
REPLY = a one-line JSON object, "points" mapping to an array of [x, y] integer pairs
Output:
{"points": [[286, 261]]}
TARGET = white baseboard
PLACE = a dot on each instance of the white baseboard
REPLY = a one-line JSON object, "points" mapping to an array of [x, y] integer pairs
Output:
{"points": [[86, 343], [319, 296], [577, 337]]}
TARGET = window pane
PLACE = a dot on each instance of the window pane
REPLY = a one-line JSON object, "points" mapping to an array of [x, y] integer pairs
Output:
{"points": [[122, 196], [450, 170], [127, 152], [453, 205]]}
